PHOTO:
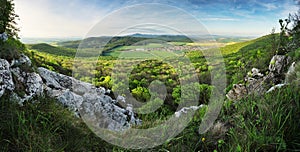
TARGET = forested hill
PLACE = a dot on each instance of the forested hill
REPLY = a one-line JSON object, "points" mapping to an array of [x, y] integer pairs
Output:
{"points": [[113, 42]]}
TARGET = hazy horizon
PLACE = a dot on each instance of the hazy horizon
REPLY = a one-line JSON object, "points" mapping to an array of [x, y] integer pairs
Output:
{"points": [[60, 19], [34, 40]]}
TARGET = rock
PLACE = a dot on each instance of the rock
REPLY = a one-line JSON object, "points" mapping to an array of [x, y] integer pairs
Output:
{"points": [[237, 92], [258, 84], [121, 99], [32, 82], [88, 101], [23, 60], [186, 109], [15, 97], [291, 68], [70, 100], [293, 74], [6, 81], [278, 62], [102, 111], [82, 98], [59, 81], [55, 80], [276, 87], [3, 37], [255, 73]]}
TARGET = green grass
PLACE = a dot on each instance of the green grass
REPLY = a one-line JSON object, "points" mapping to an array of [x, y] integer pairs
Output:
{"points": [[267, 123], [45, 125]]}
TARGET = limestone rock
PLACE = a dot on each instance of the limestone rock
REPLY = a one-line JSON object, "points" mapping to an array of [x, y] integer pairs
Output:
{"points": [[256, 83], [3, 37], [6, 81], [186, 109], [60, 81], [276, 87], [237, 92], [70, 100], [32, 82], [88, 101], [23, 60], [255, 73], [82, 98], [55, 80], [293, 74], [278, 62]]}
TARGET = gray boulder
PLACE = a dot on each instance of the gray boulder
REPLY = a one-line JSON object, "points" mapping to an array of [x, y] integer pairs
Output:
{"points": [[278, 62], [23, 60], [3, 37], [6, 80], [32, 82], [84, 99], [89, 102], [256, 83]]}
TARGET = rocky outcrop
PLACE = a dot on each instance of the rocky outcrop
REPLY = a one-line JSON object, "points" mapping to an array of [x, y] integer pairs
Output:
{"points": [[6, 81], [278, 63], [88, 101], [84, 99], [257, 84]]}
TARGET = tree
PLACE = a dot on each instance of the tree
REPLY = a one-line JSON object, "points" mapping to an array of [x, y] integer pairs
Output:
{"points": [[7, 18]]}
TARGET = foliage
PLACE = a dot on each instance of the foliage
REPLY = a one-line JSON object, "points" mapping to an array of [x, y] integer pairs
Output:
{"points": [[7, 18], [11, 49], [204, 91], [58, 51], [289, 35]]}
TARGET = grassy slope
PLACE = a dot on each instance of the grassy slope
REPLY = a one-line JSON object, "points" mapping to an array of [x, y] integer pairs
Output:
{"points": [[254, 126]]}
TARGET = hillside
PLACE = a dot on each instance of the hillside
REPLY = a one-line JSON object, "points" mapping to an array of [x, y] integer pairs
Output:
{"points": [[158, 92], [236, 56], [244, 118]]}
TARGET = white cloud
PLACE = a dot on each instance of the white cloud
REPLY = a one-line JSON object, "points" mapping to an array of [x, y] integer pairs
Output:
{"points": [[219, 19], [269, 6], [46, 18], [148, 18], [289, 7]]}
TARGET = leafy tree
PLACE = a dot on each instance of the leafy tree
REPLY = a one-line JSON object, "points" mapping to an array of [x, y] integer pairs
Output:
{"points": [[7, 18]]}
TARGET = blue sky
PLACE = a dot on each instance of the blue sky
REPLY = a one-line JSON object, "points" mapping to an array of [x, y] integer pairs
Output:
{"points": [[75, 18]]}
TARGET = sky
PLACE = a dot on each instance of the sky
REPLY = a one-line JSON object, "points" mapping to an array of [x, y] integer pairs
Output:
{"points": [[82, 18]]}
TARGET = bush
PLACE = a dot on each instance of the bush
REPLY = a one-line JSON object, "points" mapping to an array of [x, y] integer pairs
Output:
{"points": [[11, 49]]}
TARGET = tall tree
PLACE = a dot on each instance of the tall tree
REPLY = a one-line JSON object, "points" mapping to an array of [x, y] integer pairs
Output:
{"points": [[7, 18]]}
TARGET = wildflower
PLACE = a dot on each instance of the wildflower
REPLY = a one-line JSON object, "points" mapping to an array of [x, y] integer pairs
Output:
{"points": [[203, 139]]}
